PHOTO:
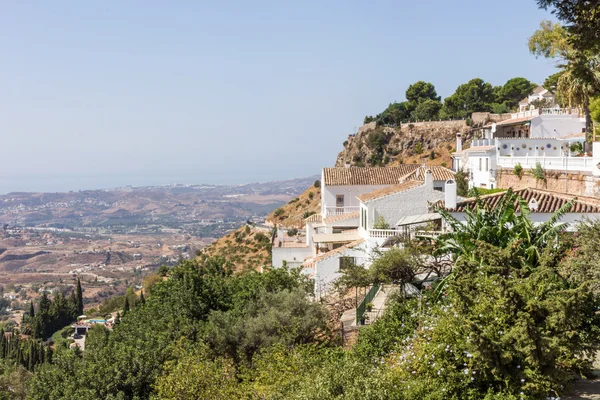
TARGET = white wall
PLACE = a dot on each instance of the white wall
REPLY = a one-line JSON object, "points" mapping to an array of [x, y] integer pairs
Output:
{"points": [[402, 204], [565, 125], [514, 147], [327, 270], [484, 177], [292, 255], [350, 192]]}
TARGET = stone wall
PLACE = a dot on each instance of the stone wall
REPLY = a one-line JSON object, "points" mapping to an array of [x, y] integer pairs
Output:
{"points": [[482, 118], [575, 184]]}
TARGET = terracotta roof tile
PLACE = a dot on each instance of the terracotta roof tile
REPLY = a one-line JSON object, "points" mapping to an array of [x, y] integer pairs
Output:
{"points": [[514, 121], [310, 262], [341, 217], [401, 187], [382, 175], [366, 176], [547, 201]]}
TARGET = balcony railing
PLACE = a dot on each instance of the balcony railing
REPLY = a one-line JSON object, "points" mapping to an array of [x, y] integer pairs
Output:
{"points": [[556, 163], [384, 233], [428, 234], [545, 111], [483, 142], [333, 211]]}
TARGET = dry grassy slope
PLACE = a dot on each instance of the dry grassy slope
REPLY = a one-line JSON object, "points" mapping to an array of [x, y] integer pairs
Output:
{"points": [[294, 212], [400, 144], [249, 247], [246, 247]]}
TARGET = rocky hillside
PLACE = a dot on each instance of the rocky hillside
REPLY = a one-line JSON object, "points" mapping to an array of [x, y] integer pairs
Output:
{"points": [[423, 142], [292, 214], [246, 247], [250, 247]]}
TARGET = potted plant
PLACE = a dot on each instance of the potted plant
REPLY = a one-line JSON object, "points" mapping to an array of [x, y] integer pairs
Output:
{"points": [[369, 307]]}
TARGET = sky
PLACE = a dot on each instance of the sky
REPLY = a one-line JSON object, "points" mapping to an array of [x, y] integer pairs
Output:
{"points": [[99, 94]]}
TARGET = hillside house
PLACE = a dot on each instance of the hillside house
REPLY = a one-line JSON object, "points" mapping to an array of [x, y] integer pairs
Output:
{"points": [[542, 205], [539, 94], [353, 231], [551, 137]]}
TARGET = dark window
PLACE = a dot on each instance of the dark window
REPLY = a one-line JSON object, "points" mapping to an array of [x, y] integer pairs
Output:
{"points": [[345, 262]]}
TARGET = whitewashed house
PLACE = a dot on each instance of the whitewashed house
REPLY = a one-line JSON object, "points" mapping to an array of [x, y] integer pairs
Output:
{"points": [[544, 136], [538, 94], [542, 204], [351, 232]]}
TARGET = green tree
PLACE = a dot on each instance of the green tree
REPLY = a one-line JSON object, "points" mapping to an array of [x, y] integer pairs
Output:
{"points": [[551, 82], [427, 110], [582, 20], [421, 91], [513, 91], [473, 96]]}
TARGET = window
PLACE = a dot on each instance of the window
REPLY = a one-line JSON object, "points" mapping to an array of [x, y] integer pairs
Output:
{"points": [[339, 200], [480, 159], [363, 218], [487, 164], [346, 262]]}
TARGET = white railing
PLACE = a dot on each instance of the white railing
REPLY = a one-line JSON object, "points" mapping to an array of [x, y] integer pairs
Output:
{"points": [[383, 233], [558, 163], [333, 211], [545, 111], [483, 142], [559, 111]]}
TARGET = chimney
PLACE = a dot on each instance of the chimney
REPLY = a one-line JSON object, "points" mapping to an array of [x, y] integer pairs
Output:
{"points": [[428, 177], [450, 194], [459, 141], [347, 164], [280, 234]]}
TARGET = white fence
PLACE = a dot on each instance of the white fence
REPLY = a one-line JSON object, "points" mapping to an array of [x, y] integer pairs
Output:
{"points": [[333, 211], [384, 233], [558, 163]]}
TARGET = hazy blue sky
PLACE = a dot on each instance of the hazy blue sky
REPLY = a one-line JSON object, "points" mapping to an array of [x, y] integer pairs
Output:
{"points": [[108, 93]]}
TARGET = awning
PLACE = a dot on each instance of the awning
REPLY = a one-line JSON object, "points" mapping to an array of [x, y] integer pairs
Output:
{"points": [[418, 219], [348, 236]]}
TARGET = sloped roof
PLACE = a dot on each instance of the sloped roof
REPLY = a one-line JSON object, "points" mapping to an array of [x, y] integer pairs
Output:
{"points": [[383, 175], [309, 263], [341, 217], [539, 89], [547, 201], [514, 121], [401, 187], [366, 175]]}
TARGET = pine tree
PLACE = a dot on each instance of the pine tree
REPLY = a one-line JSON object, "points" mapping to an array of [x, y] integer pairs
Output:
{"points": [[79, 296]]}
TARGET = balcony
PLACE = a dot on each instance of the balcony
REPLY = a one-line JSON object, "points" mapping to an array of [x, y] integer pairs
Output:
{"points": [[333, 211], [545, 111]]}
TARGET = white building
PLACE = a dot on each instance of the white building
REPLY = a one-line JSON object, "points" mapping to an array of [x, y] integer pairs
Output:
{"points": [[552, 137], [539, 94], [542, 204], [362, 209]]}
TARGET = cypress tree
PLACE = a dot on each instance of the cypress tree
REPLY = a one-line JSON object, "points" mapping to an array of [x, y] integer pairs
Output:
{"points": [[2, 344], [142, 298], [79, 297], [31, 359], [41, 354], [31, 310], [126, 306]]}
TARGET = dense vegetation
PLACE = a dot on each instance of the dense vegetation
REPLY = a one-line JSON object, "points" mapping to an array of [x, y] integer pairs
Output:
{"points": [[423, 103], [515, 318]]}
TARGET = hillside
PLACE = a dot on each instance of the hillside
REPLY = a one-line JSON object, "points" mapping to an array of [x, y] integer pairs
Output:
{"points": [[423, 142], [246, 247], [249, 247], [292, 214]]}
